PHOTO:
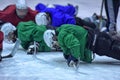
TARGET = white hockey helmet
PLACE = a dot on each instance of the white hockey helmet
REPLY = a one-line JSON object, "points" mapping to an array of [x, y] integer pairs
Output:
{"points": [[48, 38], [41, 18], [8, 29], [21, 4]]}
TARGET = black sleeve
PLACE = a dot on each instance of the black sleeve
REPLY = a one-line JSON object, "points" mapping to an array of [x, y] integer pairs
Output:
{"points": [[82, 22]]}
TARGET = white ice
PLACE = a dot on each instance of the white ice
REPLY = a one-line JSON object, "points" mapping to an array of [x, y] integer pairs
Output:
{"points": [[52, 65]]}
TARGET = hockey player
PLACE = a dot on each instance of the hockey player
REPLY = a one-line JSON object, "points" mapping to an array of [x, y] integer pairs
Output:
{"points": [[78, 43], [72, 39], [60, 21], [58, 15], [28, 32], [17, 13]]}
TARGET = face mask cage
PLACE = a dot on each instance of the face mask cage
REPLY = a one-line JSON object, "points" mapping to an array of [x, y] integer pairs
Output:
{"points": [[54, 42], [10, 38]]}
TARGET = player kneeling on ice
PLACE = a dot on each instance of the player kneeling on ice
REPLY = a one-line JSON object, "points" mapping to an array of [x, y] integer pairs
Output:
{"points": [[77, 43]]}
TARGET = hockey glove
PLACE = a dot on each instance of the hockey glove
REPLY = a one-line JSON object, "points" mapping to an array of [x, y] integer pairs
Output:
{"points": [[71, 61], [31, 48], [65, 56]]}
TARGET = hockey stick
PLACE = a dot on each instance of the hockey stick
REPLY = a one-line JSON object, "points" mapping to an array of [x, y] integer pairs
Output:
{"points": [[35, 51], [13, 52], [101, 11], [100, 22]]}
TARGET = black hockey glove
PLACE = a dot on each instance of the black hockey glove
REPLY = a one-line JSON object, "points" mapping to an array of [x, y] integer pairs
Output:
{"points": [[65, 56], [31, 48], [71, 61]]}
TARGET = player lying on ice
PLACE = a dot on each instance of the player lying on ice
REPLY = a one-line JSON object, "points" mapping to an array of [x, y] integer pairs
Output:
{"points": [[78, 43], [59, 14]]}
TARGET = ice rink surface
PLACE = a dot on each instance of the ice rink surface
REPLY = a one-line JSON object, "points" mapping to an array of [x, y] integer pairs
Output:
{"points": [[52, 65]]}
